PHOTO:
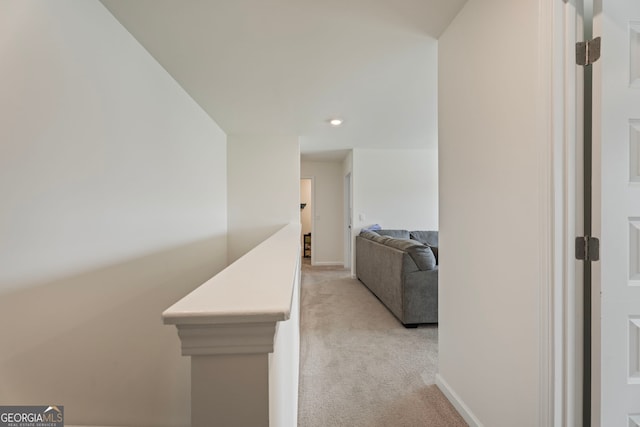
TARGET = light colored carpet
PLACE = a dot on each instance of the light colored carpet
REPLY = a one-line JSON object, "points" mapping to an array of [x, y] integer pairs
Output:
{"points": [[359, 366]]}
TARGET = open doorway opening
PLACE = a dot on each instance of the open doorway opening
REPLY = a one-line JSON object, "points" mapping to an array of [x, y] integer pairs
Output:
{"points": [[306, 219]]}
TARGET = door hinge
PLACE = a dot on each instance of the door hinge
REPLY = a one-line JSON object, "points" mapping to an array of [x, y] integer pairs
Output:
{"points": [[588, 52], [587, 248]]}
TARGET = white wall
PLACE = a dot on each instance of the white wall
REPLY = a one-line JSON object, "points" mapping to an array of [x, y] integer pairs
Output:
{"points": [[397, 189], [328, 240], [490, 190], [112, 207], [263, 188]]}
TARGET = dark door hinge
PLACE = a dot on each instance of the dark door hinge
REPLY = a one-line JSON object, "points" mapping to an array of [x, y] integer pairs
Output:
{"points": [[588, 52], [587, 248]]}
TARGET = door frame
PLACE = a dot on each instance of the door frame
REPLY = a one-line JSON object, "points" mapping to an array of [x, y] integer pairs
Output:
{"points": [[312, 207], [348, 220], [561, 213]]}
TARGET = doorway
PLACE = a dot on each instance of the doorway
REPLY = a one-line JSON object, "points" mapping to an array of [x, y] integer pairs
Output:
{"points": [[306, 219]]}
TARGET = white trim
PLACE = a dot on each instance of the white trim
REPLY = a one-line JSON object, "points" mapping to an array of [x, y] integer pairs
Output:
{"points": [[243, 338], [569, 216], [328, 264], [571, 339], [347, 219], [313, 213], [458, 403], [593, 12], [549, 230], [313, 219], [557, 113], [568, 167]]}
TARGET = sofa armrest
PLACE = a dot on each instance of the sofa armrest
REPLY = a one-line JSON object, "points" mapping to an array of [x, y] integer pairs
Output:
{"points": [[421, 297]]}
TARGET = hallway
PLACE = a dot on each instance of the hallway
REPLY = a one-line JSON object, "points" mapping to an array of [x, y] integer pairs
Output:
{"points": [[359, 365]]}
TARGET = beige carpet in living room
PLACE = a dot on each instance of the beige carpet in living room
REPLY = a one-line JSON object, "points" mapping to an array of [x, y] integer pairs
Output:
{"points": [[359, 366]]}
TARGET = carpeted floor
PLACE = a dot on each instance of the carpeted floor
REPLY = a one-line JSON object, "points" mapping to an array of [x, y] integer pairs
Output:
{"points": [[359, 366]]}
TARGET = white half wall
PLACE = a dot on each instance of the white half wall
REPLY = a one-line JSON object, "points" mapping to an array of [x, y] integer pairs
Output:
{"points": [[397, 189], [490, 272], [328, 209], [112, 207], [263, 188]]}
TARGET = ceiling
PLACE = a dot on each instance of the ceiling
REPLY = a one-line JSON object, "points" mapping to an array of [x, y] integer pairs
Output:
{"points": [[288, 66]]}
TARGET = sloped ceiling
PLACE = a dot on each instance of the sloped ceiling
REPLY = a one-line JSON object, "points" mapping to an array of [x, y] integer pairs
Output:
{"points": [[287, 66]]}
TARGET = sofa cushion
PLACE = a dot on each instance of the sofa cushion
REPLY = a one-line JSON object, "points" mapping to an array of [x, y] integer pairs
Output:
{"points": [[427, 237], [398, 234], [381, 239], [368, 234], [421, 254], [372, 235]]}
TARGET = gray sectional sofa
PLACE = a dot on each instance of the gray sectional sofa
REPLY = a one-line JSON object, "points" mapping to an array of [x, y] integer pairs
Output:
{"points": [[401, 268]]}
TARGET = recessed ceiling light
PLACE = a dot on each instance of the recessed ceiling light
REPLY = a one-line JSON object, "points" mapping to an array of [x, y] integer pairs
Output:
{"points": [[335, 122]]}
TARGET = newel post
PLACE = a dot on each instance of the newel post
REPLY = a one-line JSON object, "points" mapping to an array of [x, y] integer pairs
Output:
{"points": [[229, 372]]}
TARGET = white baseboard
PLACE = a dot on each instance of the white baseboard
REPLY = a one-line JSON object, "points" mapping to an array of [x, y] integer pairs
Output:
{"points": [[328, 264], [457, 402]]}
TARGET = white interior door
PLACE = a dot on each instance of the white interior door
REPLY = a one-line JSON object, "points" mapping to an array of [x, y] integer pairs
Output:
{"points": [[617, 202]]}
